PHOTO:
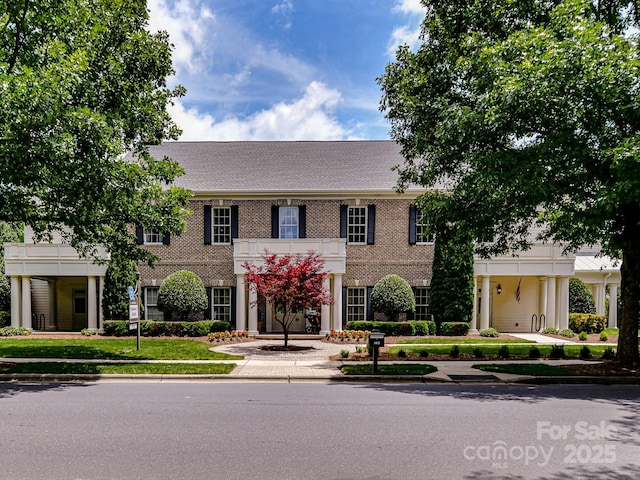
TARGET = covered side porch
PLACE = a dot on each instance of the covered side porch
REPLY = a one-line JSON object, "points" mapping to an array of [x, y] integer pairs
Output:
{"points": [[53, 288]]}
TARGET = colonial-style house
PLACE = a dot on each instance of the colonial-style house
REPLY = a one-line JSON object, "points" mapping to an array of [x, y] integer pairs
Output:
{"points": [[334, 198]]}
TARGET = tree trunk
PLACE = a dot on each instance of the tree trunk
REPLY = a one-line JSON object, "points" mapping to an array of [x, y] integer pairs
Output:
{"points": [[627, 354]]}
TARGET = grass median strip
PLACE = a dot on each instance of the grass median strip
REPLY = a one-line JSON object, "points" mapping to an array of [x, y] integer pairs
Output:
{"points": [[87, 368], [394, 369], [493, 349], [534, 369], [461, 341], [110, 349]]}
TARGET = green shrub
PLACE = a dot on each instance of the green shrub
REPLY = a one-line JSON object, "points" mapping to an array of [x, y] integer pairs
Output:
{"points": [[402, 353], [580, 298], [585, 352], [392, 295], [422, 329], [149, 328], [534, 352], [182, 293], [603, 337], [121, 274], [478, 353], [489, 332], [454, 329], [567, 332], [13, 331], [88, 332], [406, 329], [419, 328], [584, 322], [557, 352], [424, 353], [503, 351], [5, 318], [344, 353], [5, 292], [455, 351], [550, 331], [582, 336], [609, 354]]}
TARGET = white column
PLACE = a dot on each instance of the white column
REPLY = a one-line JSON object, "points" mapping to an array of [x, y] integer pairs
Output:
{"points": [[562, 309], [551, 302], [241, 304], [542, 300], [598, 293], [26, 303], [486, 298], [100, 298], [337, 301], [92, 306], [473, 328], [613, 305], [325, 310], [52, 305], [16, 297], [253, 312]]}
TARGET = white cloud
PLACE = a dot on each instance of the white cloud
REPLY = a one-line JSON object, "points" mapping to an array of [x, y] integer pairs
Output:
{"points": [[408, 34], [412, 7], [311, 117], [284, 9]]}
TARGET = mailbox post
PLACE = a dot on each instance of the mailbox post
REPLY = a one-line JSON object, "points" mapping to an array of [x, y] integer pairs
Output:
{"points": [[376, 340]]}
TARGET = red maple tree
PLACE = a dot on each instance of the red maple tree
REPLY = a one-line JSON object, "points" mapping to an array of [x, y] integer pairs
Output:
{"points": [[290, 283]]}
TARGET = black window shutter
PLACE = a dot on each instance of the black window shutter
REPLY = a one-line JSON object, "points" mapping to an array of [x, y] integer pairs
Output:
{"points": [[369, 312], [343, 221], [371, 224], [344, 306], [233, 308], [139, 235], [413, 215], [302, 221], [234, 222], [275, 221], [207, 312], [207, 224], [166, 239]]}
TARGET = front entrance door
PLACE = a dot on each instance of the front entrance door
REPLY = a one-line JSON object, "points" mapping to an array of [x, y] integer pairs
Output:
{"points": [[79, 305]]}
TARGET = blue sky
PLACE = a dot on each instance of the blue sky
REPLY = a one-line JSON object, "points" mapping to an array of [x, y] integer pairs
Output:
{"points": [[283, 69]]}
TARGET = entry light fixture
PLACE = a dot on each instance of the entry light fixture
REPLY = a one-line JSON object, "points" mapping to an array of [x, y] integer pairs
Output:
{"points": [[499, 289]]}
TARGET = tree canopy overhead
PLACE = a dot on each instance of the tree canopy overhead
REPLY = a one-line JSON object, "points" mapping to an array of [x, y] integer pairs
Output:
{"points": [[528, 112], [82, 83]]}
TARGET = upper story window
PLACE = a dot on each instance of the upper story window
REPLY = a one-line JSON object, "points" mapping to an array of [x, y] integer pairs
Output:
{"points": [[152, 237], [358, 224], [423, 229], [221, 225], [288, 222]]}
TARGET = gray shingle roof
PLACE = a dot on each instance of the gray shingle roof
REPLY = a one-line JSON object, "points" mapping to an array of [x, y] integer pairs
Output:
{"points": [[277, 167]]}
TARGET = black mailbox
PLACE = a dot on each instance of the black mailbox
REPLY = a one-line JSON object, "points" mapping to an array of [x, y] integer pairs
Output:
{"points": [[376, 339]]}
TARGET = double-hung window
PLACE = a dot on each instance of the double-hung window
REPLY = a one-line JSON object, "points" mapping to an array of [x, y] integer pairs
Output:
{"points": [[152, 237], [288, 222], [423, 312], [357, 225], [424, 233], [356, 304], [221, 225], [221, 304], [151, 311]]}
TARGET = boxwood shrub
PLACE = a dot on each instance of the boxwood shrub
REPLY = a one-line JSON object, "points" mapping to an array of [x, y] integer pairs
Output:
{"points": [[587, 322], [454, 329], [149, 328], [419, 328]]}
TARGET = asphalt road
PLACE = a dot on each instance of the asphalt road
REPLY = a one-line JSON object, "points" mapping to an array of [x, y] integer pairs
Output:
{"points": [[318, 431]]}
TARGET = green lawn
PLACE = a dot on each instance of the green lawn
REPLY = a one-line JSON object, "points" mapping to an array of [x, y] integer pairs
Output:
{"points": [[526, 369], [121, 368], [458, 341], [395, 369], [110, 349], [492, 349]]}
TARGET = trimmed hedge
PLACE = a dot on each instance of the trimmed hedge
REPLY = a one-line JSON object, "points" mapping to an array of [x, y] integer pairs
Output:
{"points": [[454, 329], [149, 328], [418, 328], [587, 322], [5, 318]]}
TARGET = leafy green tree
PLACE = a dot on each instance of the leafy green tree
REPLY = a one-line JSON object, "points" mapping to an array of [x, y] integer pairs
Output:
{"points": [[527, 113], [82, 83], [392, 295], [182, 293], [451, 291], [121, 273], [580, 298]]}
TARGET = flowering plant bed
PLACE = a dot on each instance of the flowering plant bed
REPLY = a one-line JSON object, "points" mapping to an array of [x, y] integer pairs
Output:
{"points": [[226, 336], [347, 336]]}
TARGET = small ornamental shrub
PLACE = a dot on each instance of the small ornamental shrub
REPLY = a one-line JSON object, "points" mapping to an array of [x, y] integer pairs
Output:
{"points": [[550, 331], [182, 293], [534, 352], [455, 351], [567, 332], [489, 332], [392, 295], [478, 353], [603, 337], [14, 332], [585, 352], [584, 322], [344, 353], [582, 336], [5, 318], [405, 329], [503, 351], [454, 329], [402, 353], [609, 354], [424, 353], [580, 298], [557, 352], [88, 332]]}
